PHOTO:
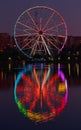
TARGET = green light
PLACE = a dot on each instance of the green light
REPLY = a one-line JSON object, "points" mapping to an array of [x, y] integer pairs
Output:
{"points": [[22, 109]]}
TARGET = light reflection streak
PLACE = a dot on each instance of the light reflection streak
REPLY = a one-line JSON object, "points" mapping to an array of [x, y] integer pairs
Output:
{"points": [[77, 69], [69, 69]]}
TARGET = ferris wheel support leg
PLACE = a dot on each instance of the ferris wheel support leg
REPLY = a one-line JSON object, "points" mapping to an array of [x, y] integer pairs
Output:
{"points": [[45, 45]]}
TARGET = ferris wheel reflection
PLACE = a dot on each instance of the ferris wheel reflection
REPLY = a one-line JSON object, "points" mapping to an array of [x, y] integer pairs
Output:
{"points": [[41, 92]]}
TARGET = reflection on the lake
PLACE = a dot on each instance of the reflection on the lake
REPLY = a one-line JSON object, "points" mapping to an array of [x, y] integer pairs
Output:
{"points": [[44, 99], [6, 79], [41, 92], [71, 71], [73, 74]]}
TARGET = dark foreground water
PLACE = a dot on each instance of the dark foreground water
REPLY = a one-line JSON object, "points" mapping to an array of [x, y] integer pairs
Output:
{"points": [[11, 118]]}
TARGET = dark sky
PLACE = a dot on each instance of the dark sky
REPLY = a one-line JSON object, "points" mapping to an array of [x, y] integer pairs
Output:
{"points": [[69, 9]]}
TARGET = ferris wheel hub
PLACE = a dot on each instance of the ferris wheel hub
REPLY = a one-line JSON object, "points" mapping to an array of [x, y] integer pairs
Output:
{"points": [[40, 32]]}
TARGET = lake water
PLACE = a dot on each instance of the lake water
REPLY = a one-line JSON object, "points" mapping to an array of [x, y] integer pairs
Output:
{"points": [[59, 81]]}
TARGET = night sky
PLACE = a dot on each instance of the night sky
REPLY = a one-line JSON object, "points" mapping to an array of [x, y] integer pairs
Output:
{"points": [[69, 9]]}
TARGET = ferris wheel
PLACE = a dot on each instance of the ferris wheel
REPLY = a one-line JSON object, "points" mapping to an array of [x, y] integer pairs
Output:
{"points": [[40, 30]]}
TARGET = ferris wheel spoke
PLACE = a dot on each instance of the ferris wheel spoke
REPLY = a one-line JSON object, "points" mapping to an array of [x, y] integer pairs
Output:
{"points": [[27, 29], [53, 27], [52, 34], [44, 49], [52, 43], [33, 47], [22, 35], [28, 43], [24, 32], [42, 46], [62, 36], [21, 41], [40, 23], [37, 44], [49, 34], [44, 43], [48, 21], [27, 26], [55, 39], [33, 21]]}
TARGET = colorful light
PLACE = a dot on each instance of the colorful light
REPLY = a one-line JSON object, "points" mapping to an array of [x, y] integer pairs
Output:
{"points": [[40, 93]]}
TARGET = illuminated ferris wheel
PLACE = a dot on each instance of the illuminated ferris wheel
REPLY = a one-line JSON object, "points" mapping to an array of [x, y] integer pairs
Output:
{"points": [[41, 31]]}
